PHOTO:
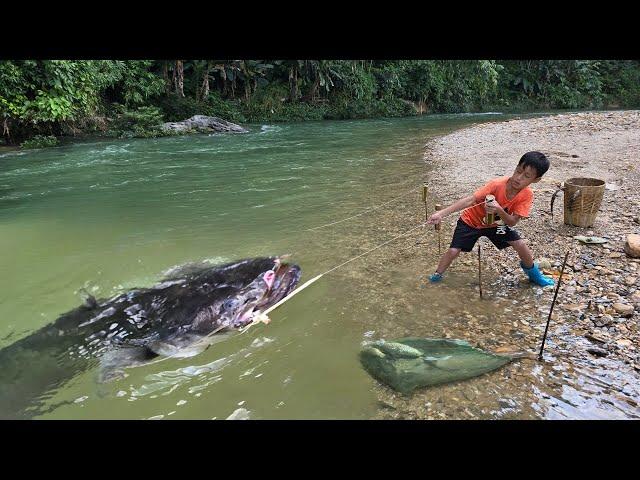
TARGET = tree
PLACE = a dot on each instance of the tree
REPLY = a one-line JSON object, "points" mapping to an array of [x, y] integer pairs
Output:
{"points": [[179, 78]]}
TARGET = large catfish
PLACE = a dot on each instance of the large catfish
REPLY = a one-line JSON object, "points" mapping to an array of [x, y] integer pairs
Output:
{"points": [[179, 317]]}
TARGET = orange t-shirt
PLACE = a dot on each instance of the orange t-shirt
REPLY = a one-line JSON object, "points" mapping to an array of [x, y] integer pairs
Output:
{"points": [[519, 205]]}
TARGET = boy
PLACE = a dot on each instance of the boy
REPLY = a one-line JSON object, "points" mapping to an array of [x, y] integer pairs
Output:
{"points": [[513, 199]]}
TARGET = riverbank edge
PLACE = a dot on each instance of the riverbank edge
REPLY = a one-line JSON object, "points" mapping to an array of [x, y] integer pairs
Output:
{"points": [[91, 133]]}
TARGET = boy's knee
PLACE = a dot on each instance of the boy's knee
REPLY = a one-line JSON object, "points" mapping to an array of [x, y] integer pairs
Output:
{"points": [[518, 244], [454, 252]]}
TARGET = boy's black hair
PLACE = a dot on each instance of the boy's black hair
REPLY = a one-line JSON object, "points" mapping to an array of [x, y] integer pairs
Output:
{"points": [[536, 160]]}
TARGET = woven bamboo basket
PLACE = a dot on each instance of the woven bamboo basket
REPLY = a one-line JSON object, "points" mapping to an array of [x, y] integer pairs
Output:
{"points": [[582, 200]]}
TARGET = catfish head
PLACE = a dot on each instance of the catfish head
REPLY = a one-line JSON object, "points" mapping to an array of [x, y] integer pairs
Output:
{"points": [[258, 284]]}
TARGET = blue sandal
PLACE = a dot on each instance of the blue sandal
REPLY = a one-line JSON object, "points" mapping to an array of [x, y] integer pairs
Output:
{"points": [[536, 276], [436, 277]]}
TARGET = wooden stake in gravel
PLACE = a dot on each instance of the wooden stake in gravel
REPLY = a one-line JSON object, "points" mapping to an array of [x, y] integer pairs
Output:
{"points": [[424, 200], [438, 206], [544, 338], [479, 268]]}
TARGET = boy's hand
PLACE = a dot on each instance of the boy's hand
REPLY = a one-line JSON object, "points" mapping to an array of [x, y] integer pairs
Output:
{"points": [[435, 219], [493, 207]]}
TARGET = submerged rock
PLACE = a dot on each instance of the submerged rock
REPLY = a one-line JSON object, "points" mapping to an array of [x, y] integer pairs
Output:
{"points": [[204, 124]]}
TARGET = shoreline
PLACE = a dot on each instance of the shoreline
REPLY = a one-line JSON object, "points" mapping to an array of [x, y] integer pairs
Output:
{"points": [[83, 136]]}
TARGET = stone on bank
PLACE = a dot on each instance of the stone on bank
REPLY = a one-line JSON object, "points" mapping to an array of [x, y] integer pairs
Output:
{"points": [[632, 245]]}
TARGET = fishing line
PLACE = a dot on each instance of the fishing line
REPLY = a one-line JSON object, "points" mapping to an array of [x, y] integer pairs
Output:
{"points": [[364, 211], [317, 277], [375, 248], [306, 284]]}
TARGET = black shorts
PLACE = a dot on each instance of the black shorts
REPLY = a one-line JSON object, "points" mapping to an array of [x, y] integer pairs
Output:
{"points": [[465, 237]]}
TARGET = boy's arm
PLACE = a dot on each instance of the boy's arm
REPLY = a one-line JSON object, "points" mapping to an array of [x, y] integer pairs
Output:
{"points": [[455, 207]]}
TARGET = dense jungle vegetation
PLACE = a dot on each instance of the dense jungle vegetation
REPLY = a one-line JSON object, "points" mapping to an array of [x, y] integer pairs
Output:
{"points": [[41, 100]]}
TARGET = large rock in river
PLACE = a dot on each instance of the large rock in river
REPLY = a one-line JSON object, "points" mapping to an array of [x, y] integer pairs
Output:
{"points": [[204, 124]]}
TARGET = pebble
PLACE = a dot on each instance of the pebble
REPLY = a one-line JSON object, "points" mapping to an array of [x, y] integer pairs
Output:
{"points": [[603, 320], [623, 309], [596, 338], [574, 307], [632, 245], [597, 351]]}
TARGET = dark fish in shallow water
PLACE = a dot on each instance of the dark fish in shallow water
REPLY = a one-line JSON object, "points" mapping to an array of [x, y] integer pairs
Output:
{"points": [[409, 363], [179, 317]]}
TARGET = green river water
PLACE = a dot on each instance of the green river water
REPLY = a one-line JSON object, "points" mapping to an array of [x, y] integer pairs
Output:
{"points": [[113, 215]]}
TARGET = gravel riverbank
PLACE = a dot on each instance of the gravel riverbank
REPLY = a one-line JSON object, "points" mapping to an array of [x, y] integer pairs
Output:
{"points": [[600, 296]]}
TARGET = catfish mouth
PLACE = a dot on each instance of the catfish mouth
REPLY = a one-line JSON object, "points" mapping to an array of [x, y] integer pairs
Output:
{"points": [[284, 281]]}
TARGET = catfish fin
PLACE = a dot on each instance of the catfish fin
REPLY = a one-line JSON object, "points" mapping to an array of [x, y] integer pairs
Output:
{"points": [[187, 269], [185, 345], [113, 362], [88, 300]]}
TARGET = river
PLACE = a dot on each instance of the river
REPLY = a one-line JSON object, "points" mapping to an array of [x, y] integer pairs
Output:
{"points": [[111, 215]]}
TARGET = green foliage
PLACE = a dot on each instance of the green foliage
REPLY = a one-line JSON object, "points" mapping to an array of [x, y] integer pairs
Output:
{"points": [[561, 83], [300, 112], [355, 80], [271, 103], [176, 108], [142, 122], [621, 83], [44, 93], [291, 112], [40, 141], [131, 82], [342, 108], [54, 97]]}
